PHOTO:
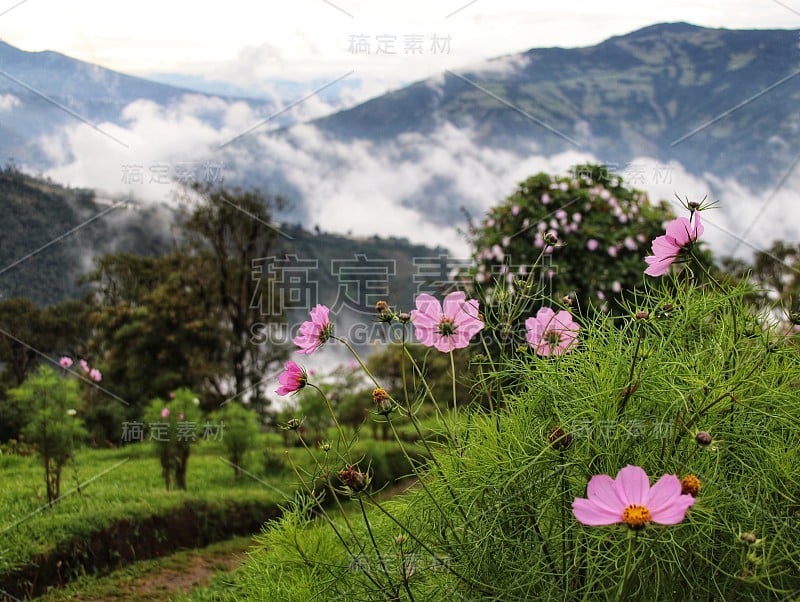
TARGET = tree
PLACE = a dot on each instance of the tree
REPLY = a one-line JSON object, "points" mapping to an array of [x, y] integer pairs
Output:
{"points": [[154, 328], [227, 232]]}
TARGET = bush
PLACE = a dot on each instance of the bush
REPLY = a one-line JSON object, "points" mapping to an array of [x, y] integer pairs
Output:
{"points": [[239, 427], [173, 430], [593, 233], [52, 426]]}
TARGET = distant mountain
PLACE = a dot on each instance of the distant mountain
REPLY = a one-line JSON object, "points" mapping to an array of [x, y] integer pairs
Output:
{"points": [[721, 105], [51, 90], [640, 94]]}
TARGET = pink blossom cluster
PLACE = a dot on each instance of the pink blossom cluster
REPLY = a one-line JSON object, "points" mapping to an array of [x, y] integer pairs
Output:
{"points": [[93, 373]]}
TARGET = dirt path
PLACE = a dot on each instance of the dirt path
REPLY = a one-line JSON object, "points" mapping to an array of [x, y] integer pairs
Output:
{"points": [[159, 579], [178, 573]]}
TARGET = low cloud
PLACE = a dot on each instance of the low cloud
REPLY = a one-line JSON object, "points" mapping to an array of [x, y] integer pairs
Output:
{"points": [[412, 186]]}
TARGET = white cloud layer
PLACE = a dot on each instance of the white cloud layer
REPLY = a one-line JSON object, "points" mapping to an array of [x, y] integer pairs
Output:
{"points": [[365, 188]]}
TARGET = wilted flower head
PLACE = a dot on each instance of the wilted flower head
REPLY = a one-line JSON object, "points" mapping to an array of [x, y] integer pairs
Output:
{"points": [[383, 402], [690, 485], [65, 362], [448, 326], [352, 478], [551, 333], [681, 234], [630, 499], [314, 332], [559, 438], [384, 312], [292, 379]]}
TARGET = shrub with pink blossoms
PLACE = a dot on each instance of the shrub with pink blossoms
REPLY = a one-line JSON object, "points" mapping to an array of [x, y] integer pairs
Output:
{"points": [[598, 222]]}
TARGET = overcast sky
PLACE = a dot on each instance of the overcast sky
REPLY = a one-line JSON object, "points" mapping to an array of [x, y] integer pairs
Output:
{"points": [[386, 43]]}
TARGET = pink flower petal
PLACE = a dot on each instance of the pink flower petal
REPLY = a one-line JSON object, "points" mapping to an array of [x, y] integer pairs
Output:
{"points": [[452, 304], [632, 485], [674, 513], [592, 514], [665, 491], [602, 491]]}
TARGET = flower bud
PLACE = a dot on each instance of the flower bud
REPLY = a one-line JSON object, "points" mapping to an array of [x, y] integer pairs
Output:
{"points": [[642, 315], [404, 317], [749, 538], [550, 238], [703, 438], [293, 424]]}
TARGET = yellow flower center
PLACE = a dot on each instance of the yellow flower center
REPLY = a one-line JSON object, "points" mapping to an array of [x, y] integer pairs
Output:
{"points": [[552, 338], [635, 516], [447, 327]]}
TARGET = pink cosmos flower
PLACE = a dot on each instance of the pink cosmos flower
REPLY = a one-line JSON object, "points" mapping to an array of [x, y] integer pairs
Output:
{"points": [[292, 379], [165, 413], [84, 365], [681, 233], [448, 326], [629, 499], [592, 244], [180, 416], [95, 375], [551, 333], [314, 332], [65, 362]]}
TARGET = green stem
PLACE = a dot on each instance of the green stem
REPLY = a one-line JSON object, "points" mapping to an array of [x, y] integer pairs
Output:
{"points": [[481, 588], [358, 359], [335, 420], [455, 405], [626, 574], [375, 544]]}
